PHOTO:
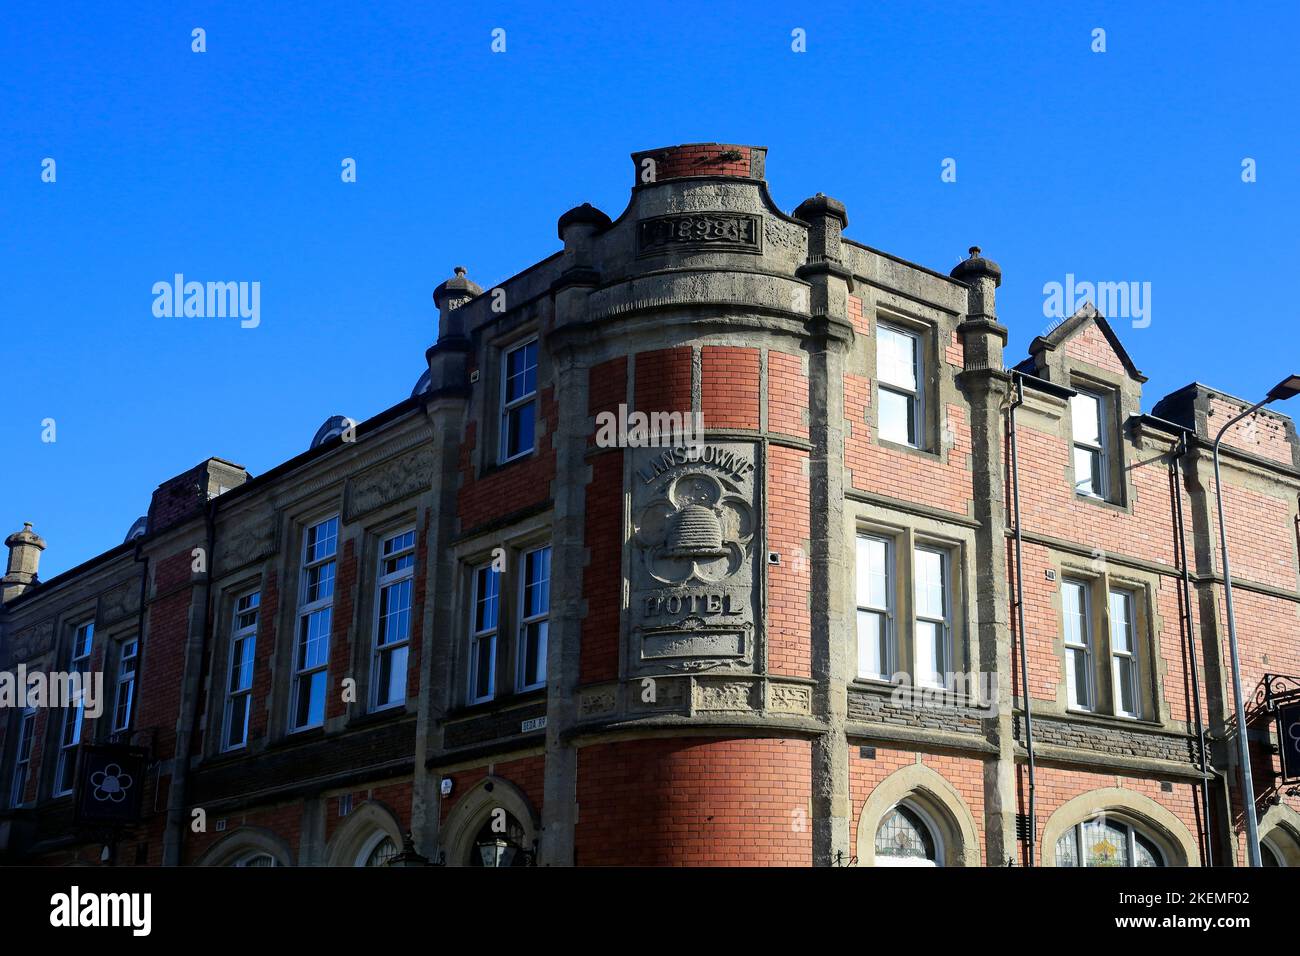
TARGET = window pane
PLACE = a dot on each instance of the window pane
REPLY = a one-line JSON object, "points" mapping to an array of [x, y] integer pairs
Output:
{"points": [[322, 540], [534, 653], [1067, 848], [1121, 621], [873, 573], [1087, 472], [313, 642], [1075, 608], [930, 653], [395, 613], [537, 580], [1085, 418], [1076, 677], [485, 603], [929, 575], [873, 659], [1105, 843], [236, 720], [897, 418], [1125, 702], [520, 424], [1145, 852], [391, 679], [311, 700], [904, 835], [896, 358], [484, 653]]}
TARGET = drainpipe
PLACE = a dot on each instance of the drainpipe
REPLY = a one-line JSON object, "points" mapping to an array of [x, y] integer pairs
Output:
{"points": [[1191, 649], [1020, 612], [185, 727]]}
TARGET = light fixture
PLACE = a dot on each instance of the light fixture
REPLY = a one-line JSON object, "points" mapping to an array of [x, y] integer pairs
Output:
{"points": [[496, 852], [1287, 388]]}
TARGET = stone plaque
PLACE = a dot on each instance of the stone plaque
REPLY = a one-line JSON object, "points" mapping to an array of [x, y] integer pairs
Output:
{"points": [[729, 231], [694, 532]]}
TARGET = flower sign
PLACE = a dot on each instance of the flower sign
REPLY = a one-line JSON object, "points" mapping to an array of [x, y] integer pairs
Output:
{"points": [[110, 778]]}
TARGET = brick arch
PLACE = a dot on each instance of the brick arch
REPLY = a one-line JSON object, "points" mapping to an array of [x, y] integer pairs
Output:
{"points": [[1157, 822], [931, 791]]}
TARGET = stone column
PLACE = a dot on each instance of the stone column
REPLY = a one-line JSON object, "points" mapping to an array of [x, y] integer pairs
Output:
{"points": [[987, 387], [832, 334]]}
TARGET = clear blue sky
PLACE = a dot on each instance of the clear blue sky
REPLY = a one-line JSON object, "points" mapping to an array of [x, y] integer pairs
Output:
{"points": [[1121, 166]]}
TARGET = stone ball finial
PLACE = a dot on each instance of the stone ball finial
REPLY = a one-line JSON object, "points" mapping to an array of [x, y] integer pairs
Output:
{"points": [[459, 270]]}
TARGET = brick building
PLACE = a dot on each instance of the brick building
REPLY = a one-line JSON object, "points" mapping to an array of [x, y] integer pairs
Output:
{"points": [[471, 619]]}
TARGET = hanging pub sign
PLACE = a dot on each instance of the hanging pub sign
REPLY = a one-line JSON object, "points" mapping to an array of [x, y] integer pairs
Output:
{"points": [[1288, 739], [110, 779]]}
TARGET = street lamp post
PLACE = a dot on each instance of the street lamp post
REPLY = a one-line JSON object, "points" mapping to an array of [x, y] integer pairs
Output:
{"points": [[1283, 390]]}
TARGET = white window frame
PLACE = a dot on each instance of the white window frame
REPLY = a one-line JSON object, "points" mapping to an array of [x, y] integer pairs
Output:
{"points": [[486, 638], [1099, 449], [70, 732], [915, 396], [526, 620], [944, 662], [383, 583], [890, 631], [125, 681], [509, 405], [304, 673], [1130, 655], [1075, 650], [240, 695], [23, 755]]}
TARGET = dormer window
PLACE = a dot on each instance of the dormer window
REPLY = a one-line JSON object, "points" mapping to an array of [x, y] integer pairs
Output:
{"points": [[1091, 465]]}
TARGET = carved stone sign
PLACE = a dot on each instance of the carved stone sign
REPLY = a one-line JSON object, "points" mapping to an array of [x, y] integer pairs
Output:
{"points": [[733, 232], [694, 526]]}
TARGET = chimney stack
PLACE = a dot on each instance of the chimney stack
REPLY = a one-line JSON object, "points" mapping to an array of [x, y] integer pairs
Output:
{"points": [[25, 549]]}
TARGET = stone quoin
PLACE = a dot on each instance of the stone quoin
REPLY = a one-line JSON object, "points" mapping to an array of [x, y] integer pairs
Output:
{"points": [[474, 634]]}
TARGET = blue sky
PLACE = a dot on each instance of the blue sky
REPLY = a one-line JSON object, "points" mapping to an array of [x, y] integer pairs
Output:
{"points": [[1115, 166]]}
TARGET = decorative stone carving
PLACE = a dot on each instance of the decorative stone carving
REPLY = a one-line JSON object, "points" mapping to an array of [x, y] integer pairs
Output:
{"points": [[593, 703], [789, 698], [31, 642], [732, 232], [724, 695], [245, 539], [694, 532], [389, 482], [121, 602]]}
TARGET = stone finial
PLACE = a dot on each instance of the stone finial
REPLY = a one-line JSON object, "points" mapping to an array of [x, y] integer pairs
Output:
{"points": [[585, 215], [25, 549], [969, 270]]}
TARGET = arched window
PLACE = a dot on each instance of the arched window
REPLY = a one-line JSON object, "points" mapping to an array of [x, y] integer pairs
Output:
{"points": [[1106, 841], [378, 851], [257, 858], [907, 837]]}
